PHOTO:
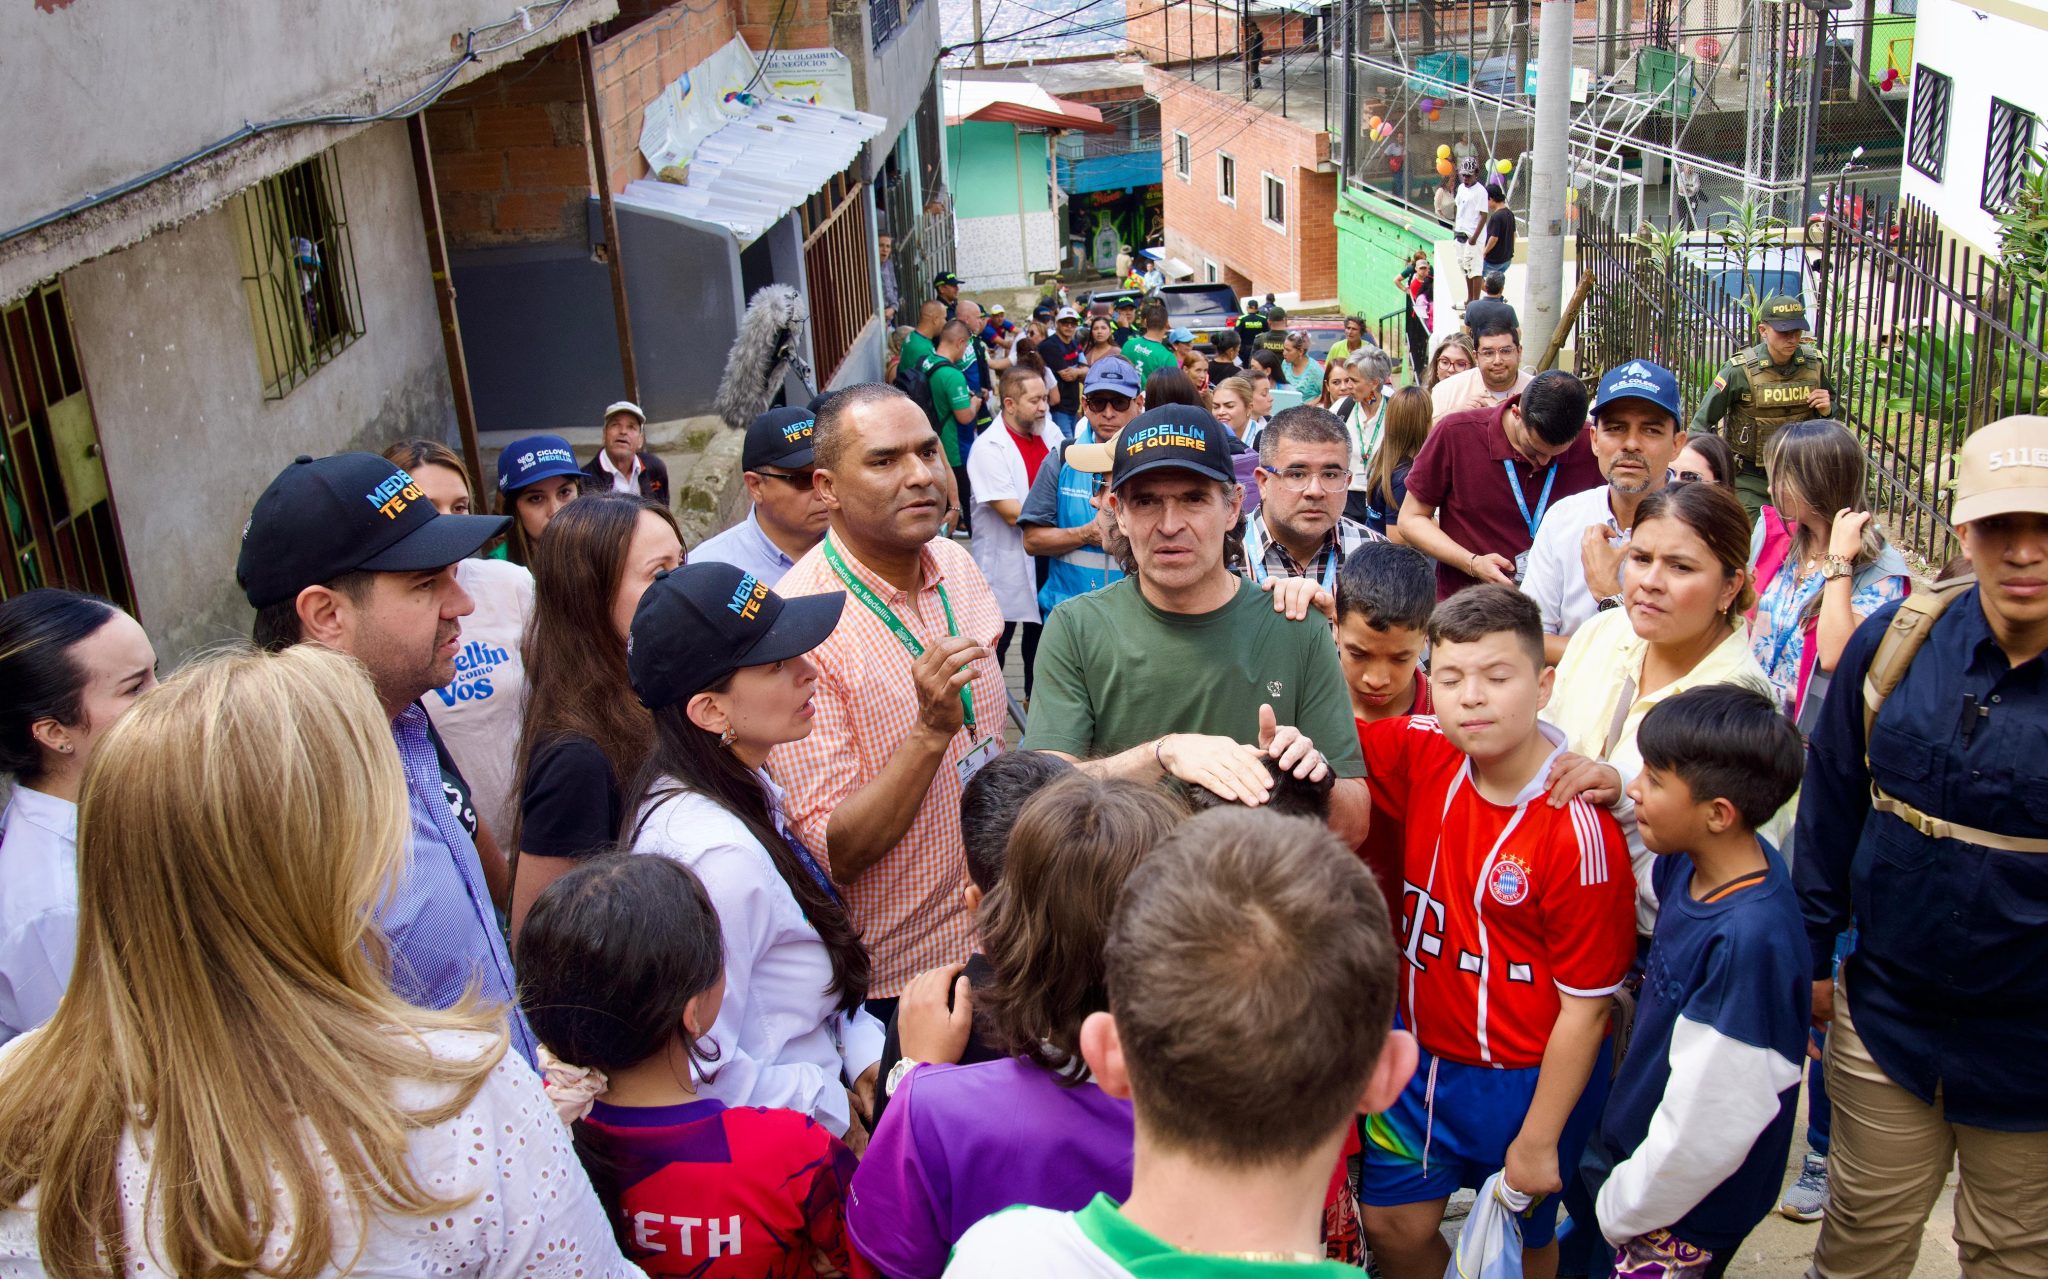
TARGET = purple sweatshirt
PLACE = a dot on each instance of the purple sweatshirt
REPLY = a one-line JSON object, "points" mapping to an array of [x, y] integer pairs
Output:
{"points": [[958, 1143]]}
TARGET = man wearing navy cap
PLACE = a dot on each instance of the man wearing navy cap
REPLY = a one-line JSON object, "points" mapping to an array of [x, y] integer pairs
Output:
{"points": [[624, 465], [1575, 560], [349, 553], [787, 516], [1184, 668], [947, 286]]}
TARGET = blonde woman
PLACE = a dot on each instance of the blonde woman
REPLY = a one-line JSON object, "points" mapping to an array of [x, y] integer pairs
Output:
{"points": [[229, 1084]]}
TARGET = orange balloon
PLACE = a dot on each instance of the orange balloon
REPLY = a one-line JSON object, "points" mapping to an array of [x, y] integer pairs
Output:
{"points": [[1373, 124], [1444, 167]]}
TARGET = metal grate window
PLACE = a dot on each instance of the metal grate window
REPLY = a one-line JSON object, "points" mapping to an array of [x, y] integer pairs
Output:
{"points": [[299, 272], [1226, 179], [1183, 157], [1927, 140], [884, 17], [2005, 154]]}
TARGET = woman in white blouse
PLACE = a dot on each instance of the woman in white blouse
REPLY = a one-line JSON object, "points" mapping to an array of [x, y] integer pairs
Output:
{"points": [[229, 1084], [70, 664], [718, 658]]}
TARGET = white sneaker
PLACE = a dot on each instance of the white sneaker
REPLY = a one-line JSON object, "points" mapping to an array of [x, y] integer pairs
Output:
{"points": [[1807, 1198]]}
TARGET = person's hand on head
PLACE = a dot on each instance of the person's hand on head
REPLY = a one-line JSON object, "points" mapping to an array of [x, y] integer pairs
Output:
{"points": [[930, 1028], [944, 668], [1600, 557], [1573, 775], [1289, 748], [1496, 569], [1295, 596], [1221, 765], [1845, 535]]}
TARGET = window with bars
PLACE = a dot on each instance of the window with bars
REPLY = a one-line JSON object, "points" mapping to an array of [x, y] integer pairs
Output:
{"points": [[884, 17], [2005, 154], [1927, 140], [1226, 179], [1276, 202], [299, 272], [1183, 157]]}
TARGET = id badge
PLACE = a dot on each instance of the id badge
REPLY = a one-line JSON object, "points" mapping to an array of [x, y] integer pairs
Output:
{"points": [[971, 763], [1521, 567]]}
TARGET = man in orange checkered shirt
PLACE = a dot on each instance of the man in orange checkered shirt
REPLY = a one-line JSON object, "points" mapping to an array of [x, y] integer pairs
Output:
{"points": [[909, 701]]}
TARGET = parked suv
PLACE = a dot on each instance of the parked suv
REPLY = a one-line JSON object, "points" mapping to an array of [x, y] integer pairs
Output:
{"points": [[1208, 309]]}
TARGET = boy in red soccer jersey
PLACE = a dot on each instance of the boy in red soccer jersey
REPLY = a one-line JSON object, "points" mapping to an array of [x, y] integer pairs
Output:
{"points": [[1517, 923]]}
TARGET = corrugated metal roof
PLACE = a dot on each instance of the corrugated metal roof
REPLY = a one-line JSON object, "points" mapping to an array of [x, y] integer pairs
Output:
{"points": [[750, 173]]}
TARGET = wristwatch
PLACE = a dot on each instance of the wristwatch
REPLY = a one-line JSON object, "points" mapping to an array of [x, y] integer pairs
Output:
{"points": [[897, 1074], [1834, 566], [1610, 601]]}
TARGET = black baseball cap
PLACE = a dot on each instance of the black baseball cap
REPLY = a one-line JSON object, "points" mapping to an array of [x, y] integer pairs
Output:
{"points": [[944, 278], [352, 512], [699, 623], [1178, 436], [779, 437]]}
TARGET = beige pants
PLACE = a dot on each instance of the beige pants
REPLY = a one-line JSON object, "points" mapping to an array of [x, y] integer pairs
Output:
{"points": [[1889, 1153]]}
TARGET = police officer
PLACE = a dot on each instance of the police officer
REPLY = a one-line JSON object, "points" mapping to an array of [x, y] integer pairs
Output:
{"points": [[1780, 380], [1923, 819], [947, 286]]}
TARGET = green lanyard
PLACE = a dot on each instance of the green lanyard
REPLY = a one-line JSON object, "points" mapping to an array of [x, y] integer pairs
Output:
{"points": [[861, 592]]}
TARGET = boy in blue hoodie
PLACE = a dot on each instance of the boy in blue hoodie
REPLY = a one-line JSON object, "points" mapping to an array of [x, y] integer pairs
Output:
{"points": [[1691, 1150]]}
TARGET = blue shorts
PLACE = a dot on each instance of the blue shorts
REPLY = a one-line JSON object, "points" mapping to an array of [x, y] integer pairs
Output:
{"points": [[1452, 1126]]}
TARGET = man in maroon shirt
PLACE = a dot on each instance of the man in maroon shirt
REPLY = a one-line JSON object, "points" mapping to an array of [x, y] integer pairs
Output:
{"points": [[1481, 484]]}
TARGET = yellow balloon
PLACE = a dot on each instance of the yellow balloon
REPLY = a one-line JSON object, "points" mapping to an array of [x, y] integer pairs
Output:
{"points": [[1506, 166], [1443, 152]]}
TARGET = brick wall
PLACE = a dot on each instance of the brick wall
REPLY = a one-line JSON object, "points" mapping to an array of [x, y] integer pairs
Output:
{"points": [[1173, 33], [1302, 259], [806, 24], [510, 157], [633, 67]]}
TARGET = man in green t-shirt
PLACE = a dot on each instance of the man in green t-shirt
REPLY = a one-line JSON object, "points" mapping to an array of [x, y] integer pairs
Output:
{"points": [[1149, 351], [957, 404], [1184, 668], [921, 341]]}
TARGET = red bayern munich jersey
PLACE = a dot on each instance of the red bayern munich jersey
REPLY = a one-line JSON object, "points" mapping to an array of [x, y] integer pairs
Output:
{"points": [[714, 1192], [1502, 907]]}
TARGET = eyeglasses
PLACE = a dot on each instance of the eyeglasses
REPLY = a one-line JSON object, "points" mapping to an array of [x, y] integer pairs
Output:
{"points": [[1108, 403], [1297, 479], [1692, 477], [800, 479]]}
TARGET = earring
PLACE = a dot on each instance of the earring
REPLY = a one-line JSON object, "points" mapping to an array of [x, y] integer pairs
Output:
{"points": [[724, 739], [66, 748]]}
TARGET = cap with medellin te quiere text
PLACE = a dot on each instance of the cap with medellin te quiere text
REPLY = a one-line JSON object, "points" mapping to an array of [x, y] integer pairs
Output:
{"points": [[323, 518], [780, 437], [698, 624], [1172, 436]]}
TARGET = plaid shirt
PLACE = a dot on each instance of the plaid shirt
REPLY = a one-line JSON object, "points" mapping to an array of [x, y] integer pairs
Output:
{"points": [[1265, 557], [907, 905]]}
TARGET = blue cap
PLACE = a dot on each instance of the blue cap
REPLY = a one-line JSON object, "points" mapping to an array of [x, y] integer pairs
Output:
{"points": [[1639, 380], [1179, 335], [1113, 373], [535, 458]]}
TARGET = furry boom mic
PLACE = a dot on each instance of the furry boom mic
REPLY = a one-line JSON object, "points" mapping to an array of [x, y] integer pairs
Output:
{"points": [[771, 334]]}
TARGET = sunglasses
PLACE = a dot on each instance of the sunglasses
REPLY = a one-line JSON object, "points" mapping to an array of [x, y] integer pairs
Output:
{"points": [[801, 479], [1103, 402]]}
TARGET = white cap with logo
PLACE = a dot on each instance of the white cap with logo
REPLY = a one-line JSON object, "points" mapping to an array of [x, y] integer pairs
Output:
{"points": [[624, 406], [2003, 469]]}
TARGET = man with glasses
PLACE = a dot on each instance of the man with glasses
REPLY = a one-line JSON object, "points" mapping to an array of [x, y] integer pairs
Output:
{"points": [[1496, 375], [1299, 529], [1062, 518], [788, 517]]}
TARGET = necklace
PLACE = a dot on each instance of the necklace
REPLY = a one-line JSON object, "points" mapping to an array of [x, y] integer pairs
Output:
{"points": [[1298, 1258]]}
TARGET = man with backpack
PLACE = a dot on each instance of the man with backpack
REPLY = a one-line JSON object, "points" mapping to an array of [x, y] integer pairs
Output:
{"points": [[950, 405], [1924, 818]]}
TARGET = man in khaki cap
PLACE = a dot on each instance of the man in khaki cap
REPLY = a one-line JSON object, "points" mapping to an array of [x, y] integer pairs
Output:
{"points": [[1924, 819]]}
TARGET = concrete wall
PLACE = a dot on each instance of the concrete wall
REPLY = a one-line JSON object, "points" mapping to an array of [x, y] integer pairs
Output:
{"points": [[100, 93], [1986, 56], [165, 338], [1297, 261], [1375, 238], [892, 80], [994, 253], [987, 160]]}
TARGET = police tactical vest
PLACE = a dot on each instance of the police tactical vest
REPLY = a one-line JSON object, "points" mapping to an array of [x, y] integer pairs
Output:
{"points": [[1773, 396]]}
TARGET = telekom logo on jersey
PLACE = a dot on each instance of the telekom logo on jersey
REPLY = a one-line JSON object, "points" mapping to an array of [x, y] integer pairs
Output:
{"points": [[658, 1233]]}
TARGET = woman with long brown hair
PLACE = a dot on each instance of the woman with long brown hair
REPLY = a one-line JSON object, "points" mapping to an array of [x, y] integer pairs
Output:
{"points": [[719, 659], [585, 736], [230, 1085], [1403, 432]]}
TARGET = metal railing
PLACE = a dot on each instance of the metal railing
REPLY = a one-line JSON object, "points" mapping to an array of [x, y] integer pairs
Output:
{"points": [[299, 271], [842, 297]]}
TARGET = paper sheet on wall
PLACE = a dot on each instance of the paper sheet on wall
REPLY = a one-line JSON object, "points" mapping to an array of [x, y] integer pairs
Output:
{"points": [[658, 137], [822, 77], [699, 103]]}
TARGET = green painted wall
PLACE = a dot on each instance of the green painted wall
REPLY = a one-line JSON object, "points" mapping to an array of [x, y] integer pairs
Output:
{"points": [[985, 158], [1375, 238]]}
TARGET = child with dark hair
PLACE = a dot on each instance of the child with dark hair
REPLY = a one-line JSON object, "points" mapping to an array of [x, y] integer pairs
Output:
{"points": [[1688, 1156], [1247, 1022], [1291, 796], [1518, 924], [1384, 596], [621, 971], [934, 1020]]}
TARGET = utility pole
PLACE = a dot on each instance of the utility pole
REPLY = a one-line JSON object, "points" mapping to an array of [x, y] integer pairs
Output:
{"points": [[1551, 175], [980, 54]]}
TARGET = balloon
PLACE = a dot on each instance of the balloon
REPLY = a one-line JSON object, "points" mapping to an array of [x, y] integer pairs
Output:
{"points": [[1373, 124], [1506, 166], [1443, 167], [1434, 113], [1443, 151], [1394, 164]]}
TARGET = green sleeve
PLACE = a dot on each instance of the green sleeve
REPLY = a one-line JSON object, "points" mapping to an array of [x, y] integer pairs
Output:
{"points": [[949, 391], [1727, 384], [1323, 711], [1061, 717]]}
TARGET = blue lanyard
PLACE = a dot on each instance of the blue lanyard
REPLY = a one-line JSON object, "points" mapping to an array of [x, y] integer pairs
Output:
{"points": [[810, 864], [1329, 568], [1542, 502]]}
